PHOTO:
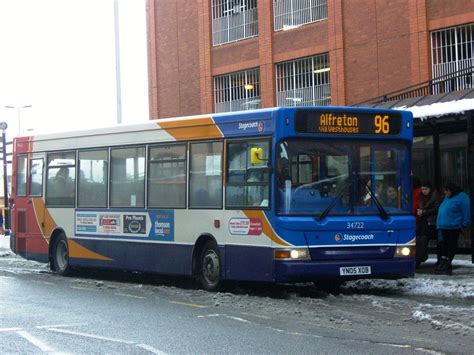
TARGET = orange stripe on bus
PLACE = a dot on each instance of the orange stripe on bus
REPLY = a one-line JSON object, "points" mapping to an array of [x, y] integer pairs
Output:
{"points": [[45, 221], [78, 251], [192, 128], [266, 226], [46, 224]]}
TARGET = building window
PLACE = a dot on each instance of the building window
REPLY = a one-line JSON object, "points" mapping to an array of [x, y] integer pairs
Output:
{"points": [[237, 91], [304, 82], [233, 20], [293, 13], [451, 51]]}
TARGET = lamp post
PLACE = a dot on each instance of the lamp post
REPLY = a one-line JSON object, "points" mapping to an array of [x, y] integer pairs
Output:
{"points": [[18, 108], [6, 203]]}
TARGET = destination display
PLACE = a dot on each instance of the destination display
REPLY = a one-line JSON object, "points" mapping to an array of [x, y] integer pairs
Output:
{"points": [[348, 122]]}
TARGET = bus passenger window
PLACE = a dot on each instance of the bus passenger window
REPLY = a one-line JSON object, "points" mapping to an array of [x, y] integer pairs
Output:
{"points": [[36, 177], [247, 182], [167, 176], [92, 179], [205, 175], [61, 180], [21, 176], [127, 177]]}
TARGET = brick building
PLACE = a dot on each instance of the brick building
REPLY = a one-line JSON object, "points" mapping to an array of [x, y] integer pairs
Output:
{"points": [[227, 55]]}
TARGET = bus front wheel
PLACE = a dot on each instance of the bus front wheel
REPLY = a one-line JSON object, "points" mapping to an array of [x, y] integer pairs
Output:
{"points": [[61, 256], [210, 267]]}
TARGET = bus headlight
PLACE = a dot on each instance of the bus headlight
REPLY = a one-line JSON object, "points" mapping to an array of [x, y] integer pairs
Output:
{"points": [[405, 251], [292, 254]]}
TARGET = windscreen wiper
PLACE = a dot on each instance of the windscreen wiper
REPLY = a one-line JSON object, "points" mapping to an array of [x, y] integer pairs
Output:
{"points": [[335, 199], [379, 206]]}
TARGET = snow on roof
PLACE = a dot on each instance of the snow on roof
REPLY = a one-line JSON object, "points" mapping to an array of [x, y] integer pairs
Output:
{"points": [[439, 109]]}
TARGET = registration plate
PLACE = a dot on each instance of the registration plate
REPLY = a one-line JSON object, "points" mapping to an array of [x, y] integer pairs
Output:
{"points": [[355, 270]]}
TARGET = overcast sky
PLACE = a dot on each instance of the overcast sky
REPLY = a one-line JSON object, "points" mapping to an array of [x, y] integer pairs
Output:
{"points": [[59, 57]]}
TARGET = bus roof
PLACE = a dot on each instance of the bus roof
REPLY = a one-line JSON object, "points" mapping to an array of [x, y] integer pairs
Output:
{"points": [[199, 127]]}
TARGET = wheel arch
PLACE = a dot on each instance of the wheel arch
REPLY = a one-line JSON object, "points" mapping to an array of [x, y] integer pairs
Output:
{"points": [[54, 235], [198, 246]]}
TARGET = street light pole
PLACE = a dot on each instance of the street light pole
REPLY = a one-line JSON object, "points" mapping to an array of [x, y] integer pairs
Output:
{"points": [[6, 202], [18, 108], [118, 84]]}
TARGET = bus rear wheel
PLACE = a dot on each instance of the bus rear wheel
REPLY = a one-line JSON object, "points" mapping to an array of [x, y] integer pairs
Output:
{"points": [[209, 267], [60, 256]]}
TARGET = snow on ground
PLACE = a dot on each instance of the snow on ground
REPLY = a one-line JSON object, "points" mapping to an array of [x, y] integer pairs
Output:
{"points": [[444, 303]]}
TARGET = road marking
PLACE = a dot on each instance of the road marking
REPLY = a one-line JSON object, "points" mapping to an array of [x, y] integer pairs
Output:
{"points": [[35, 341], [209, 315], [256, 315], [428, 351], [225, 316], [127, 295], [122, 341], [9, 329], [60, 325], [188, 304], [84, 288], [238, 319], [151, 349], [90, 336]]}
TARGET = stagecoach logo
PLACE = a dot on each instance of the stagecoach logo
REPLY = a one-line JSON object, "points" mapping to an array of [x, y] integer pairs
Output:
{"points": [[259, 125], [353, 237]]}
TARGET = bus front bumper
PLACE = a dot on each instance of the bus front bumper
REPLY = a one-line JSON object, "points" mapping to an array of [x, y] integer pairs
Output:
{"points": [[294, 271]]}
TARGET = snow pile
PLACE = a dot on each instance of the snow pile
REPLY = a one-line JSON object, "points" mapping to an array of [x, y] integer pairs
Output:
{"points": [[440, 108], [458, 288], [455, 319]]}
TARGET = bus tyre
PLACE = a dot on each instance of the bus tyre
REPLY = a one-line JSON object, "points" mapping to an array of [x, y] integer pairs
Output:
{"points": [[61, 256], [209, 267]]}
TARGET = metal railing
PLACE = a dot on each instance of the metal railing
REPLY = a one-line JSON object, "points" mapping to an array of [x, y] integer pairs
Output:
{"points": [[455, 81], [293, 13], [233, 23]]}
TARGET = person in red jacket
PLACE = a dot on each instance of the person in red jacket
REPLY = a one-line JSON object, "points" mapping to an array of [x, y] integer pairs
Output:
{"points": [[416, 198]]}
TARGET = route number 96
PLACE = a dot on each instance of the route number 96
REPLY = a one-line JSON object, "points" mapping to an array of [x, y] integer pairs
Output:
{"points": [[381, 124]]}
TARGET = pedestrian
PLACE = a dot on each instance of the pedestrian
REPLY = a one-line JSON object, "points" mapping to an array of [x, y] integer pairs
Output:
{"points": [[426, 228], [454, 214], [2, 229], [416, 198]]}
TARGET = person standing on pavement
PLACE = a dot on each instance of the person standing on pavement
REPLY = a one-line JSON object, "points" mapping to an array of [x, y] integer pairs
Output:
{"points": [[2, 229], [454, 214], [427, 212]]}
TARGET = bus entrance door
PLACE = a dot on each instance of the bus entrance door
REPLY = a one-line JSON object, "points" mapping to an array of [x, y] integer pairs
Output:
{"points": [[29, 187]]}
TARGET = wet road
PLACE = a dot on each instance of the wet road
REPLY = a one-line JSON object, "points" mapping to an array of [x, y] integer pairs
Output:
{"points": [[133, 313]]}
